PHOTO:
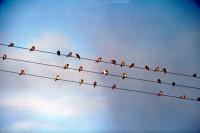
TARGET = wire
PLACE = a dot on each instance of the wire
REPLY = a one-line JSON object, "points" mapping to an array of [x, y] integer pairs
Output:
{"points": [[103, 86], [95, 72], [106, 62]]}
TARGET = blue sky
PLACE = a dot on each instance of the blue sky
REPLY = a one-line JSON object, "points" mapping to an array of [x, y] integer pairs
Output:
{"points": [[157, 32]]}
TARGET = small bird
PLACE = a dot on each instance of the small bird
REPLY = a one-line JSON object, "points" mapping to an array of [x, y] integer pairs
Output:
{"points": [[98, 60], [32, 48], [124, 75], [11, 45], [80, 68], [81, 81], [183, 97], [164, 70], [66, 66], [173, 84], [198, 98], [58, 52], [22, 72], [57, 78], [132, 65], [159, 81], [69, 54], [114, 86], [95, 84], [105, 72], [157, 69], [4, 56], [147, 68], [160, 93], [113, 62], [194, 75], [78, 56], [122, 64]]}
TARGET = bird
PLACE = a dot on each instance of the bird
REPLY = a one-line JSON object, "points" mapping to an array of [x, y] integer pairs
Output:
{"points": [[147, 68], [159, 81], [32, 48], [194, 75], [157, 69], [114, 86], [94, 84], [80, 68], [183, 97], [105, 72], [122, 64], [22, 72], [99, 59], [66, 66], [164, 70], [78, 56], [132, 65], [11, 45], [113, 62], [173, 84], [4, 56], [198, 98], [57, 78], [160, 93], [124, 75], [81, 81], [69, 54], [58, 52]]}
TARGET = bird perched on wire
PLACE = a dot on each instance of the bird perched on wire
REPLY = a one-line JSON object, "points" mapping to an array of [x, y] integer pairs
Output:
{"points": [[22, 72], [194, 75], [57, 78], [105, 72], [69, 54], [183, 97], [58, 52], [157, 69], [132, 65], [113, 62], [81, 81], [66, 66], [124, 75], [164, 70], [159, 81], [78, 56], [4, 57], [160, 93], [114, 87], [98, 60], [11, 45], [173, 84], [80, 68], [147, 68], [32, 48], [122, 64], [94, 84]]}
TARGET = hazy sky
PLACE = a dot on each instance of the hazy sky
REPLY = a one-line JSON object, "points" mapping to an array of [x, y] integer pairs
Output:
{"points": [[157, 32]]}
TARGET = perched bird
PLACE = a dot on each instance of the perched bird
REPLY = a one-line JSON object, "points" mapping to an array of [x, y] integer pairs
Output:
{"points": [[114, 86], [22, 72], [105, 72], [194, 75], [132, 65], [58, 52], [11, 45], [164, 70], [80, 68], [183, 97], [95, 84], [113, 62], [66, 66], [198, 98], [57, 78], [122, 64], [32, 48], [159, 81], [4, 56], [147, 68], [81, 81], [157, 69], [160, 93], [98, 60], [69, 54], [124, 75], [78, 56], [173, 84]]}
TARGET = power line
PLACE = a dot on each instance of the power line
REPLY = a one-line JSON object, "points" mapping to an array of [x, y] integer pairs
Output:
{"points": [[100, 73], [107, 62], [103, 86]]}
